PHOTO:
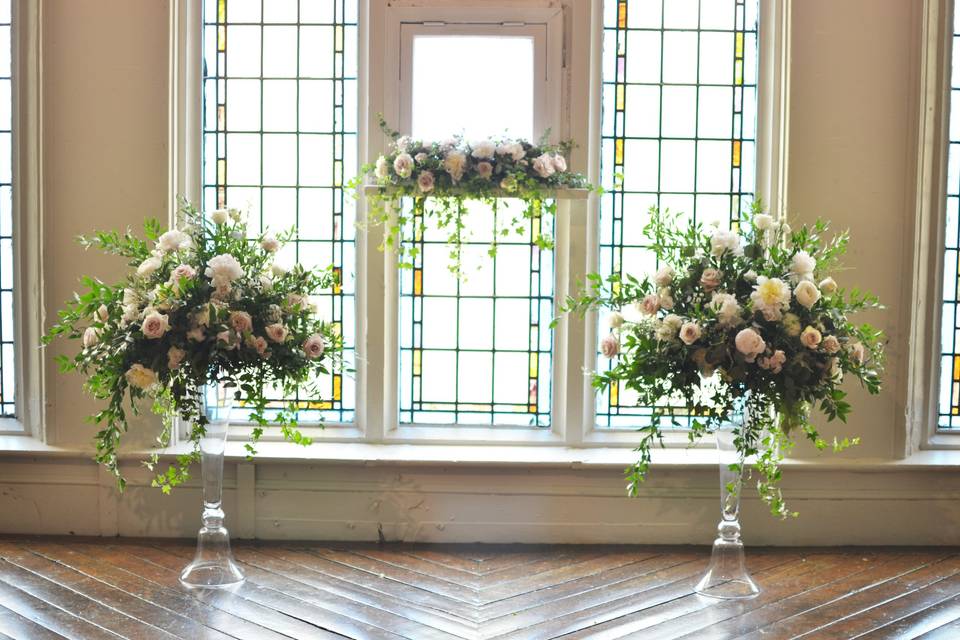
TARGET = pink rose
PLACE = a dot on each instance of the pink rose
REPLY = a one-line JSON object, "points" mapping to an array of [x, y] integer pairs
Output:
{"points": [[484, 170], [750, 344], [425, 181], [155, 325], [241, 322], [559, 163], [183, 271], [609, 346], [543, 165], [830, 344], [403, 165], [277, 332], [690, 333], [650, 304], [710, 279], [313, 346], [774, 363], [227, 339], [810, 338], [258, 343]]}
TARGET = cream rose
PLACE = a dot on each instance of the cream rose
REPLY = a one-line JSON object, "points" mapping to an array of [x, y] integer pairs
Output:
{"points": [[241, 322], [830, 344], [668, 329], [615, 320], [154, 325], [270, 244], [403, 165], [723, 241], [664, 276], [543, 165], [455, 163], [689, 333], [828, 286], [219, 216], [811, 337], [774, 363], [650, 304], [484, 170], [425, 181], [175, 356], [313, 346], [559, 162], [791, 324], [858, 353], [609, 346], [182, 271], [750, 344], [710, 279], [277, 332], [513, 149], [666, 298], [806, 293], [149, 266], [383, 167], [140, 376]]}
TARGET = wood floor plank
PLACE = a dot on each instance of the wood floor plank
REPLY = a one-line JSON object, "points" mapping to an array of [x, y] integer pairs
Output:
{"points": [[919, 623], [18, 627], [948, 631], [50, 616]]}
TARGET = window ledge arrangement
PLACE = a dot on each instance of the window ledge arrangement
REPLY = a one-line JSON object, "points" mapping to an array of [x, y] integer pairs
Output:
{"points": [[559, 194]]}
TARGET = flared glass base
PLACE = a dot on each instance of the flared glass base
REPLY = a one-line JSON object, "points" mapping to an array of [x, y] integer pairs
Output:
{"points": [[727, 577], [213, 566]]}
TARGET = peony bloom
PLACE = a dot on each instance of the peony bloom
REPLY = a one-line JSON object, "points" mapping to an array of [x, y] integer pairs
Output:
{"points": [[484, 150], [802, 266], [664, 276], [270, 244], [223, 269], [828, 286], [154, 325], [173, 240], [277, 332], [543, 165], [513, 149], [668, 329], [723, 241], [727, 308], [103, 314], [763, 222], [615, 320], [219, 216], [313, 346], [609, 346], [771, 297], [182, 271], [241, 322], [830, 344], [484, 170], [403, 143], [791, 324], [649, 305], [710, 279], [750, 344], [140, 376], [666, 298], [455, 163], [810, 338], [806, 293], [425, 181], [175, 356], [383, 167], [149, 266], [559, 162], [90, 337], [690, 332], [773, 363], [403, 165]]}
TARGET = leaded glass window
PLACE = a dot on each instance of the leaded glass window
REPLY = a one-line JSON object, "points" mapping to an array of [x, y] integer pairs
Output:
{"points": [[678, 128], [7, 367], [280, 140]]}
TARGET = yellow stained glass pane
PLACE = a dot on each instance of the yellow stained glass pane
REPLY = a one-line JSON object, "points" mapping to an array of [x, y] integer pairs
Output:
{"points": [[738, 73], [337, 384], [338, 273], [622, 15], [618, 159], [533, 408], [535, 228], [221, 38], [221, 10], [956, 367], [621, 96], [336, 327], [614, 395], [534, 361], [736, 153], [222, 171], [416, 361], [739, 45], [418, 282]]}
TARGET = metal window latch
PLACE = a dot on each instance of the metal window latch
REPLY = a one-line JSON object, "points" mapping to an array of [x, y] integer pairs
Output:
{"points": [[434, 24], [513, 24]]}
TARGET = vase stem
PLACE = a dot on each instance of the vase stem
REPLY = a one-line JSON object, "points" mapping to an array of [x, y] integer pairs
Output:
{"points": [[213, 565], [727, 575]]}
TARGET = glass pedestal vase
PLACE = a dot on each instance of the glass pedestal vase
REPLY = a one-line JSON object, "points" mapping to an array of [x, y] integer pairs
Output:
{"points": [[213, 566], [727, 575]]}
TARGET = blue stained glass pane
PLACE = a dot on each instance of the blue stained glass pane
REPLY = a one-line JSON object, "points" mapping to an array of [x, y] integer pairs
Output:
{"points": [[679, 125]]}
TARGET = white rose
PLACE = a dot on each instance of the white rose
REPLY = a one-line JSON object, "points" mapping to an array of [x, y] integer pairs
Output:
{"points": [[149, 266], [828, 286], [90, 337], [750, 344], [219, 216], [806, 294], [810, 338], [270, 244], [223, 269], [140, 376], [615, 320], [802, 266], [403, 165], [690, 333], [750, 276], [762, 222], [664, 276], [383, 167], [668, 329], [173, 240], [484, 150], [154, 325]]}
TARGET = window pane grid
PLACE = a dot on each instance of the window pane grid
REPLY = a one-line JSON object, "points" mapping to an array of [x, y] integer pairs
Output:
{"points": [[478, 350], [280, 140], [678, 131], [8, 388]]}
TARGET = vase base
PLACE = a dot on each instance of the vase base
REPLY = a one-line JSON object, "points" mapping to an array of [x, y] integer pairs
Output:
{"points": [[727, 577], [729, 590], [212, 576]]}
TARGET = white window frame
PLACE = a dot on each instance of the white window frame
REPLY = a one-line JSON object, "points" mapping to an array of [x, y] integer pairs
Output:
{"points": [[925, 311], [27, 223], [575, 37]]}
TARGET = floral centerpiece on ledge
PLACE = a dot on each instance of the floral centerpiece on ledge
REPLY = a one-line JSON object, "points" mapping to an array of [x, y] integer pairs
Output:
{"points": [[204, 304], [454, 171], [732, 324]]}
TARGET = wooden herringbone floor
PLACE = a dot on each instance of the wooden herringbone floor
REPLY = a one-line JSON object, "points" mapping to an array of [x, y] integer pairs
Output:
{"points": [[69, 588]]}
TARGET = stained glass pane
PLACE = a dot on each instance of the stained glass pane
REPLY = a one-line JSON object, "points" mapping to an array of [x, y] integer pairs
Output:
{"points": [[949, 400], [476, 350], [678, 128], [280, 139], [7, 276]]}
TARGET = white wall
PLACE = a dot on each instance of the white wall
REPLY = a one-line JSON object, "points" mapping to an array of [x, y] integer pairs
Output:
{"points": [[851, 159]]}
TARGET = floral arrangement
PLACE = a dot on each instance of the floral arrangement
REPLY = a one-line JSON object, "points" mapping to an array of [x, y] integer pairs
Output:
{"points": [[737, 323], [453, 171], [204, 304]]}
